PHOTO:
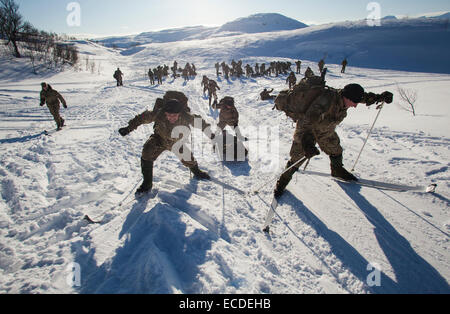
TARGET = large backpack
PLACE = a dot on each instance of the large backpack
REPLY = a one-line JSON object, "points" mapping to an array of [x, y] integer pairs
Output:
{"points": [[296, 101]]}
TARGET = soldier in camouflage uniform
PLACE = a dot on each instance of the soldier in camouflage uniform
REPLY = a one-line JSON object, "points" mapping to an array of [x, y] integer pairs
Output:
{"points": [[118, 76], [309, 72], [321, 65], [292, 80], [265, 94], [228, 116], [212, 87], [323, 110], [53, 99], [344, 65], [299, 65], [166, 116]]}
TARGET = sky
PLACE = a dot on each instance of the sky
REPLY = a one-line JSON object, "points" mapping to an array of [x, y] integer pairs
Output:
{"points": [[119, 17]]}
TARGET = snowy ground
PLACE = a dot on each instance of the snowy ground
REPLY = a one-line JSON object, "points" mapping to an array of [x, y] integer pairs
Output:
{"points": [[196, 237]]}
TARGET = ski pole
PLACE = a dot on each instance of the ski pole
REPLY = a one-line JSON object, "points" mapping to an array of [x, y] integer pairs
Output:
{"points": [[301, 161], [368, 135]]}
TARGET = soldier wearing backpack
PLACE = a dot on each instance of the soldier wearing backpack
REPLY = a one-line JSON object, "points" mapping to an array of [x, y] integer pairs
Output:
{"points": [[292, 80], [318, 110], [118, 75], [168, 114]]}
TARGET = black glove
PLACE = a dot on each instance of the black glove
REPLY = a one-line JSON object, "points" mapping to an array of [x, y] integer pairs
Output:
{"points": [[65, 106], [309, 146], [213, 136], [370, 98], [124, 131], [387, 97]]}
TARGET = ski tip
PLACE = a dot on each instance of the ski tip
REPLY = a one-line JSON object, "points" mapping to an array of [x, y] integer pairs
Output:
{"points": [[431, 188], [89, 220]]}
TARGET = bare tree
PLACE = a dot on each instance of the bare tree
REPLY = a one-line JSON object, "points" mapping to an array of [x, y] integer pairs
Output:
{"points": [[409, 96], [11, 24]]}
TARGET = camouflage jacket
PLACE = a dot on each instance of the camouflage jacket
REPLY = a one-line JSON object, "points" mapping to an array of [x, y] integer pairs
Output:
{"points": [[51, 97], [323, 114], [164, 128]]}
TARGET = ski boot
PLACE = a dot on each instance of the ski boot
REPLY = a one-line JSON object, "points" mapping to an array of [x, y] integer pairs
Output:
{"points": [[338, 171], [285, 178], [198, 174], [147, 172]]}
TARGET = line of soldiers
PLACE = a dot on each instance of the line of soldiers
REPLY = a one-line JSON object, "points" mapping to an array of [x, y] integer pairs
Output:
{"points": [[320, 110], [275, 68], [159, 73]]}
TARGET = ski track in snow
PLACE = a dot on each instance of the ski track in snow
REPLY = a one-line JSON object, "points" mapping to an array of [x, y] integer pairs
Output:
{"points": [[197, 237]]}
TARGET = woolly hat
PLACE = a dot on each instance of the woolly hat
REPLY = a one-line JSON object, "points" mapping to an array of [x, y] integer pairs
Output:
{"points": [[173, 106], [354, 92]]}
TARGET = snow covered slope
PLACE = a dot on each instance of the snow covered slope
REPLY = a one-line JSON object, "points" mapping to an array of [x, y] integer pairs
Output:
{"points": [[419, 44], [197, 237]]}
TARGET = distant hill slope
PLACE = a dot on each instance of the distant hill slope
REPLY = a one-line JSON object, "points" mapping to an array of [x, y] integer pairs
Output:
{"points": [[411, 44]]}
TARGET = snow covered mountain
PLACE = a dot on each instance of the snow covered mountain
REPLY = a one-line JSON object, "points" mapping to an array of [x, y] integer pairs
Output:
{"points": [[257, 23], [261, 23], [199, 237]]}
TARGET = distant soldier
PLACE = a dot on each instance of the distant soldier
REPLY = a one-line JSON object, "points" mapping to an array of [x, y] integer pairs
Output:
{"points": [[217, 65], [344, 65], [265, 94], [151, 76], [212, 91], [205, 84], [248, 70], [321, 65], [299, 65], [257, 69], [53, 99], [324, 74], [292, 80], [118, 76], [262, 69], [159, 74], [309, 72], [185, 74], [170, 115], [226, 71], [175, 66]]}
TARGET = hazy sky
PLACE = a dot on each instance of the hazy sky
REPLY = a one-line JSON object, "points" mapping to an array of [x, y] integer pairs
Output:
{"points": [[119, 17]]}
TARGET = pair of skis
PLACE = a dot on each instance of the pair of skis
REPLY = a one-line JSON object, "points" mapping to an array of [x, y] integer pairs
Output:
{"points": [[362, 182]]}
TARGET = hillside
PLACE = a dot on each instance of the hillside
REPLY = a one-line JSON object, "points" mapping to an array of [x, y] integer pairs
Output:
{"points": [[398, 44]]}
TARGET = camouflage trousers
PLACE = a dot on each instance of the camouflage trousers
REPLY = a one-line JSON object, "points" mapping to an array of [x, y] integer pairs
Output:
{"points": [[234, 125], [54, 110], [156, 145], [329, 143]]}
